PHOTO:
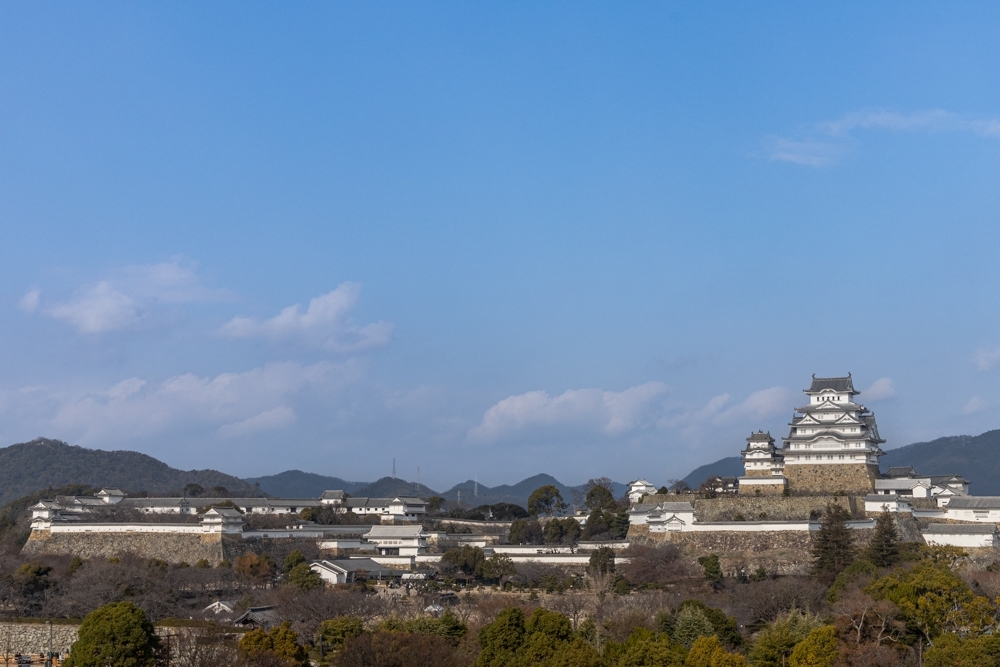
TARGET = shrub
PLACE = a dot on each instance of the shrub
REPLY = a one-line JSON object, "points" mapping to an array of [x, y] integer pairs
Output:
{"points": [[115, 635]]}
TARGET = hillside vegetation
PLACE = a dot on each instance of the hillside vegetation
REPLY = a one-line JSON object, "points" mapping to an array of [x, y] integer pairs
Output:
{"points": [[977, 458], [29, 466], [299, 484]]}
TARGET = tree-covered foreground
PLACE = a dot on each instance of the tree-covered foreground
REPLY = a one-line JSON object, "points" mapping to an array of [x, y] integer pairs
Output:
{"points": [[878, 604]]}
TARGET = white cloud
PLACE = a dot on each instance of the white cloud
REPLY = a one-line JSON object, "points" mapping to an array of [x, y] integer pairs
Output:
{"points": [[608, 412], [826, 142], [325, 323], [231, 403], [987, 357], [881, 389], [761, 404], [927, 120], [169, 282], [265, 421], [29, 302], [123, 300], [98, 309], [975, 404], [811, 153]]}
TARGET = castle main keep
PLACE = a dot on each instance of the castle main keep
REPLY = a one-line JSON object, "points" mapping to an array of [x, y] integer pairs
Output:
{"points": [[832, 447]]}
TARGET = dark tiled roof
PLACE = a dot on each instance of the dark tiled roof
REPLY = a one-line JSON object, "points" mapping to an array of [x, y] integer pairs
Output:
{"points": [[975, 503], [960, 529], [263, 616], [363, 565], [945, 479], [881, 498], [901, 471], [836, 384], [832, 406], [676, 507], [239, 502], [760, 436]]}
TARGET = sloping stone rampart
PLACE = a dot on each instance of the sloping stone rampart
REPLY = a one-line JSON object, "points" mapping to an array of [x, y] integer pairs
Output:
{"points": [[835, 478], [773, 508], [234, 546], [33, 638], [171, 547], [778, 552]]}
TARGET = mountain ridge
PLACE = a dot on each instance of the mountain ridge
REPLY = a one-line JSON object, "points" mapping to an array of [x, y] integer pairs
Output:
{"points": [[975, 457], [27, 467]]}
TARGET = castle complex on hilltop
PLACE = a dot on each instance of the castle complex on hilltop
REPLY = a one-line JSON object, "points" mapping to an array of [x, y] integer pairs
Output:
{"points": [[832, 447]]}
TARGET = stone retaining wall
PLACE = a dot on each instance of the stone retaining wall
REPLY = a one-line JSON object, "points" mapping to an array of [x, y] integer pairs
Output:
{"points": [[839, 478], [773, 508], [173, 548], [33, 638], [778, 552], [234, 546]]}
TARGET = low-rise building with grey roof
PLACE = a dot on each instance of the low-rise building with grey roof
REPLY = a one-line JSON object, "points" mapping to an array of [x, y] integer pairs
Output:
{"points": [[962, 535]]}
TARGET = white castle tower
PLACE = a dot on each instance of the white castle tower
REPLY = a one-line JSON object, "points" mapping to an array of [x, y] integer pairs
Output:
{"points": [[763, 464], [833, 444]]}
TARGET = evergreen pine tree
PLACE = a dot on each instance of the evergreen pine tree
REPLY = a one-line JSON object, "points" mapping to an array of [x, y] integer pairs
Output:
{"points": [[713, 570], [691, 624], [115, 635], [883, 549], [833, 548]]}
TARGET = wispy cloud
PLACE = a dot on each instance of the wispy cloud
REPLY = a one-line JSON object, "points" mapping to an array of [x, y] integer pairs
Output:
{"points": [[98, 309], [265, 421], [29, 302], [974, 405], [325, 323], [642, 409], [233, 404], [927, 120], [825, 143], [881, 389], [986, 358], [125, 299], [720, 409], [605, 412], [811, 153]]}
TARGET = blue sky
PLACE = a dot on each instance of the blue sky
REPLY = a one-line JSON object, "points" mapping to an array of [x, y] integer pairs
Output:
{"points": [[492, 240]]}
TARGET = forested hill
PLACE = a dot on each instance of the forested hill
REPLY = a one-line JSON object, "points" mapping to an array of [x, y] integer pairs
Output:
{"points": [[298, 484], [975, 457], [29, 466]]}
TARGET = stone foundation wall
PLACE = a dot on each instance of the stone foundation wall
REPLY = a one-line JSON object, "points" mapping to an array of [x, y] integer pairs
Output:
{"points": [[173, 548], [778, 552], [33, 638], [773, 508], [234, 546], [835, 478], [761, 489]]}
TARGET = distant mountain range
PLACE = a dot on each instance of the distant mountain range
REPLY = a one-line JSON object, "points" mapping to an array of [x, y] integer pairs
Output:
{"points": [[298, 484], [731, 466], [977, 458], [974, 457], [31, 466]]}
